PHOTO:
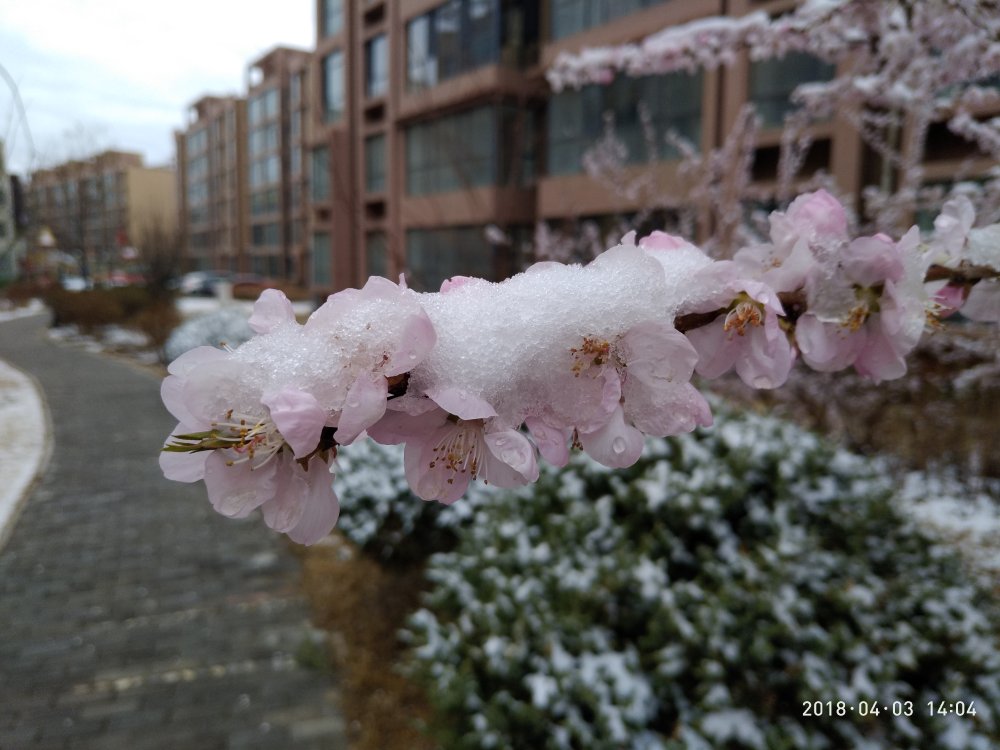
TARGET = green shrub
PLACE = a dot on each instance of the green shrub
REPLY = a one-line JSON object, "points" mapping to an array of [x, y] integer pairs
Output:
{"points": [[698, 600]]}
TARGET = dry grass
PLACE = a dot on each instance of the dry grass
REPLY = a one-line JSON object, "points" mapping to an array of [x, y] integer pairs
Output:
{"points": [[363, 605]]}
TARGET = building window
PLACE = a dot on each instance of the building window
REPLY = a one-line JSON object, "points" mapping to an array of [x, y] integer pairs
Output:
{"points": [[452, 153], [576, 118], [319, 172], [265, 170], [264, 106], [321, 252], [462, 35], [265, 235], [333, 86], [773, 81], [331, 17], [377, 66], [568, 17], [433, 255], [375, 164], [377, 254]]}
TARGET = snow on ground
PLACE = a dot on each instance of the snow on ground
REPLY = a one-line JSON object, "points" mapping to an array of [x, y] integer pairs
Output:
{"points": [[24, 440], [191, 306], [34, 307]]}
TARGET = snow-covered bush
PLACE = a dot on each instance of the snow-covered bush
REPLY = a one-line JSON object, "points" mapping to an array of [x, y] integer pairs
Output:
{"points": [[701, 599], [227, 325]]}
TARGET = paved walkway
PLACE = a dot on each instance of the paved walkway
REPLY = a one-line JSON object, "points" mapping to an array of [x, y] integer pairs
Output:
{"points": [[131, 615]]}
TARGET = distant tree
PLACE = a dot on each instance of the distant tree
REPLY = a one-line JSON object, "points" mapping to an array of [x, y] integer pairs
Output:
{"points": [[903, 66]]}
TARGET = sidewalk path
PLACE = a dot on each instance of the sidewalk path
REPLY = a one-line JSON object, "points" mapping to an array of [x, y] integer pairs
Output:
{"points": [[131, 615]]}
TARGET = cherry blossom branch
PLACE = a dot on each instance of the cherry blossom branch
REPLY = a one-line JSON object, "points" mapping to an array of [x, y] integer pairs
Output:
{"points": [[480, 380]]}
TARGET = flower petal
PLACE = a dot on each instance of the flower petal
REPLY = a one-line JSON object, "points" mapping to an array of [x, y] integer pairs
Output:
{"points": [[429, 478], [236, 491], [298, 417], [183, 467], [272, 309], [461, 403], [320, 507], [363, 407], [510, 459], [616, 444], [552, 442]]}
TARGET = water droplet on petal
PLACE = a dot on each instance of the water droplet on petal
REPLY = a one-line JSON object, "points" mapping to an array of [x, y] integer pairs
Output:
{"points": [[618, 445], [353, 404], [412, 355]]}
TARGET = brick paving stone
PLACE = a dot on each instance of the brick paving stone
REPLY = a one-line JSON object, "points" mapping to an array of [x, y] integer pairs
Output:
{"points": [[132, 616]]}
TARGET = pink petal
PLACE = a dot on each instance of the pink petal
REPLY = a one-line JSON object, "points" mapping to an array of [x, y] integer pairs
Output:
{"points": [[879, 359], [416, 341], [510, 461], [236, 491], [717, 349], [363, 407], [455, 282], [872, 260], [461, 403], [320, 507], [299, 418], [827, 347], [552, 442], [616, 444], [658, 240], [401, 426], [183, 467], [283, 511], [194, 358], [660, 412], [272, 309], [429, 478], [765, 360], [657, 354], [172, 394]]}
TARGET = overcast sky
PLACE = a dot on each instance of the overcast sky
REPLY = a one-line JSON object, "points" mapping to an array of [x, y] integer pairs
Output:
{"points": [[97, 74]]}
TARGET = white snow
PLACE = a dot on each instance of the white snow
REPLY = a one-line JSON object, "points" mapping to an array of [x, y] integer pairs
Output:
{"points": [[24, 441], [34, 307]]}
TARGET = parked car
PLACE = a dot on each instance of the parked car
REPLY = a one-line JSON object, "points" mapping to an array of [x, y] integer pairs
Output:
{"points": [[202, 283]]}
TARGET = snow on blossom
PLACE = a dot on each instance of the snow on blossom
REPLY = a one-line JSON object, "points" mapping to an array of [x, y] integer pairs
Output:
{"points": [[240, 452], [261, 422], [510, 344]]}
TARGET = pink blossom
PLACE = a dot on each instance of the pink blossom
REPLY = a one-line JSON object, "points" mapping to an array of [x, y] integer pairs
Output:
{"points": [[749, 337], [858, 323], [264, 453], [444, 452], [815, 223], [271, 310], [632, 385], [395, 336]]}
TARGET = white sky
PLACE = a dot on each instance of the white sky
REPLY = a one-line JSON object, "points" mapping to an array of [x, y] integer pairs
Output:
{"points": [[97, 74]]}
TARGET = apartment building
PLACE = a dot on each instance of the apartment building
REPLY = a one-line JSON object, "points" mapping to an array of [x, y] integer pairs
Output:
{"points": [[211, 185], [438, 146], [421, 136], [277, 127], [97, 207]]}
